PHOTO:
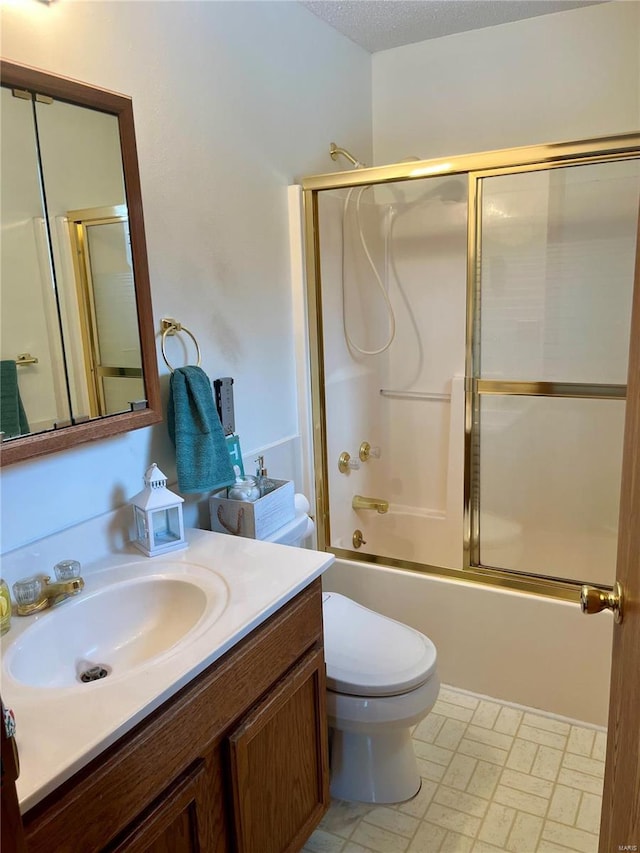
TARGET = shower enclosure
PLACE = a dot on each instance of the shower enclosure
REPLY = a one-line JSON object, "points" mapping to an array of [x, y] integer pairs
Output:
{"points": [[469, 330]]}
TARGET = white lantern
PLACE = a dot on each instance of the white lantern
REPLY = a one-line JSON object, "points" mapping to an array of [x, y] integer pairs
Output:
{"points": [[158, 516]]}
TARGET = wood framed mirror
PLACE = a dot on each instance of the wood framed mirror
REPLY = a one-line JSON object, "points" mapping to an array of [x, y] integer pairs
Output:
{"points": [[77, 344]]}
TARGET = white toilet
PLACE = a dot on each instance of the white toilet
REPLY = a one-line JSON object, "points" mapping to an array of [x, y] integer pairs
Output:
{"points": [[381, 680]]}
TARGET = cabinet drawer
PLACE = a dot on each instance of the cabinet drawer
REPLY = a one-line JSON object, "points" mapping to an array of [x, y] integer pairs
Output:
{"points": [[177, 822]]}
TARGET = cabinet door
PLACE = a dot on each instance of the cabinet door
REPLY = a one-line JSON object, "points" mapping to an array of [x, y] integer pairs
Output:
{"points": [[279, 765], [177, 822]]}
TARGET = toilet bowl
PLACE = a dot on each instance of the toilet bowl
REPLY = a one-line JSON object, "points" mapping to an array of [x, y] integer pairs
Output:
{"points": [[381, 681]]}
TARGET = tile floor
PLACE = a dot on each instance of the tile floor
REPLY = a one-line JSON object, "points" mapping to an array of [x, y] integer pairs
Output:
{"points": [[495, 778]]}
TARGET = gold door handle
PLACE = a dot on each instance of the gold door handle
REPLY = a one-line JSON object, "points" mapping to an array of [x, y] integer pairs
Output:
{"points": [[593, 600]]}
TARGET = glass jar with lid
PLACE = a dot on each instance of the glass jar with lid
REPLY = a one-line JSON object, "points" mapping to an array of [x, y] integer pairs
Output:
{"points": [[244, 489]]}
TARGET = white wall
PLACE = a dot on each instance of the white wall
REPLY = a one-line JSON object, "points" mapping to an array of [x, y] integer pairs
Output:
{"points": [[232, 102], [569, 75]]}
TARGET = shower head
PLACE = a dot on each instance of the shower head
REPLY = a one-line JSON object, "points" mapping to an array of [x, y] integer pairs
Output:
{"points": [[450, 192], [334, 151]]}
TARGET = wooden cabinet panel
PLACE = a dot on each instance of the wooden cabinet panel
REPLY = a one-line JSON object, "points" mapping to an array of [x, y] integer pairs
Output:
{"points": [[279, 763], [177, 822]]}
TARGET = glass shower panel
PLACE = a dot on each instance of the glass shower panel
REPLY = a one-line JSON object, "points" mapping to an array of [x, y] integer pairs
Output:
{"points": [[393, 280], [553, 309], [550, 484], [558, 250]]}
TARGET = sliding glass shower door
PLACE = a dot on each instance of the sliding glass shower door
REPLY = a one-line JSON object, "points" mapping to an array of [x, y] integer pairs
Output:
{"points": [[393, 268], [470, 335], [556, 251]]}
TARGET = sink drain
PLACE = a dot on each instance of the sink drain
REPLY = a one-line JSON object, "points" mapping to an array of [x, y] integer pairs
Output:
{"points": [[94, 673]]}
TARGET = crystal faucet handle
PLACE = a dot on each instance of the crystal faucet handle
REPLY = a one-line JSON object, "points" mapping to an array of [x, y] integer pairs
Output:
{"points": [[67, 570], [29, 590]]}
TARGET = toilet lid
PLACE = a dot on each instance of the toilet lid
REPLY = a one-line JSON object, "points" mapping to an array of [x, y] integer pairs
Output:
{"points": [[368, 654]]}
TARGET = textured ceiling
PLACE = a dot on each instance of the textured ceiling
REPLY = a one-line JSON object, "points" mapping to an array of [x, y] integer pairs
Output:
{"points": [[381, 24]]}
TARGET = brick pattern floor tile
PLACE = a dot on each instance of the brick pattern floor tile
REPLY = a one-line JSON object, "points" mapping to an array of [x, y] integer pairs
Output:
{"points": [[495, 779]]}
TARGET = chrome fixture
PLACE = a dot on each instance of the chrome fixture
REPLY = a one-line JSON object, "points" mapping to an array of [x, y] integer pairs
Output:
{"points": [[357, 539], [360, 502], [593, 600], [368, 452], [37, 593], [346, 463], [94, 673], [334, 151]]}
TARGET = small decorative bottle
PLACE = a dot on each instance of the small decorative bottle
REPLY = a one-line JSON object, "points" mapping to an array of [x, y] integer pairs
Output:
{"points": [[5, 607], [261, 476]]}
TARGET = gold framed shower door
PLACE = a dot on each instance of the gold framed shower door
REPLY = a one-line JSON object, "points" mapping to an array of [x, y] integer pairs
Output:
{"points": [[475, 167]]}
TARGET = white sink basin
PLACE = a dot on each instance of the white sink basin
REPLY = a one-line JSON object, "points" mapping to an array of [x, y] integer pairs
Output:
{"points": [[118, 627]]}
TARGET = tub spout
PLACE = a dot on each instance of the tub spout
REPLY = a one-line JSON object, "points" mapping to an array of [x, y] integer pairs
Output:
{"points": [[360, 502]]}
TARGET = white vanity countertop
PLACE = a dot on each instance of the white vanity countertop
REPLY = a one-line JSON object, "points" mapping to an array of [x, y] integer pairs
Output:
{"points": [[61, 729]]}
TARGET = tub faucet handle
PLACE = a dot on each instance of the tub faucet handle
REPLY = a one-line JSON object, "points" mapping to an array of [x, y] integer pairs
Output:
{"points": [[346, 463], [357, 539], [367, 452]]}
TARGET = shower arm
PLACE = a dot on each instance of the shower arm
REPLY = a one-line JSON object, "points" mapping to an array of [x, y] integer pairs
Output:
{"points": [[334, 151]]}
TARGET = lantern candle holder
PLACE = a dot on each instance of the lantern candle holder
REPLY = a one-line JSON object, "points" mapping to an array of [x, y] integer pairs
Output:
{"points": [[159, 526]]}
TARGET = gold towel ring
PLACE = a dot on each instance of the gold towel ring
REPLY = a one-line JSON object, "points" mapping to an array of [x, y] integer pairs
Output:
{"points": [[170, 327]]}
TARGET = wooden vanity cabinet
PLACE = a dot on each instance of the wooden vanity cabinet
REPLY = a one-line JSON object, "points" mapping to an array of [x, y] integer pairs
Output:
{"points": [[236, 761]]}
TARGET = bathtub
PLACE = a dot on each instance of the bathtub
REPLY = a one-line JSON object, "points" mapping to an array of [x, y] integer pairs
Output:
{"points": [[525, 649], [409, 533]]}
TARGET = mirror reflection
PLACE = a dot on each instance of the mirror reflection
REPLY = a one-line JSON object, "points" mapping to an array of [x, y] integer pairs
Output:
{"points": [[69, 318], [77, 349]]}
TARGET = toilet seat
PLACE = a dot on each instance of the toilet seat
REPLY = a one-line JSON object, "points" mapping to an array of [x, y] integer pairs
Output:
{"points": [[368, 654], [369, 713]]}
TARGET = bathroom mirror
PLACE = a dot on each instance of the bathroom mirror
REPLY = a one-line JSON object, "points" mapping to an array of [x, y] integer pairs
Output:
{"points": [[77, 341]]}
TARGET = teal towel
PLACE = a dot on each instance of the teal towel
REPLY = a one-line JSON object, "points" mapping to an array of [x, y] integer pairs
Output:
{"points": [[202, 457], [13, 420]]}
